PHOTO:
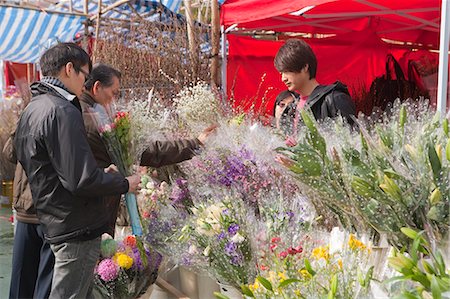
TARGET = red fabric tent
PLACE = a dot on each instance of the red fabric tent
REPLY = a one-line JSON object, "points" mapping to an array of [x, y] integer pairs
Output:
{"points": [[414, 21], [355, 55]]}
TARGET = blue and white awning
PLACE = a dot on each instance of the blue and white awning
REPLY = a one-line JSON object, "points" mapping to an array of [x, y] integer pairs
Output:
{"points": [[25, 34]]}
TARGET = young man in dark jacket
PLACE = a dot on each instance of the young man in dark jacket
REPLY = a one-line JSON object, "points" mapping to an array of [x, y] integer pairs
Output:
{"points": [[66, 185], [298, 65]]}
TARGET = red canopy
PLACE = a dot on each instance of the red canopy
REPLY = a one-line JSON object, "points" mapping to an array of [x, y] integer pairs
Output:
{"points": [[415, 21], [356, 55]]}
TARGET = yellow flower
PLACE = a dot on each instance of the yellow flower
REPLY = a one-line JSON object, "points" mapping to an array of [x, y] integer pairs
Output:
{"points": [[321, 253], [304, 273], [297, 293], [254, 287], [355, 243], [340, 263], [282, 276], [123, 260]]}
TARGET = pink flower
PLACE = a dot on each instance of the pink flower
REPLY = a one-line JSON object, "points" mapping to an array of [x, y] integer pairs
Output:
{"points": [[108, 270]]}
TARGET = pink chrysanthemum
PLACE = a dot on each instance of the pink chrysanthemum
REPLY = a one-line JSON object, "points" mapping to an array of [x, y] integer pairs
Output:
{"points": [[108, 270]]}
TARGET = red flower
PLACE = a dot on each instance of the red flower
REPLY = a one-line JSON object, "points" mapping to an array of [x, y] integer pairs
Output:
{"points": [[264, 268], [275, 240], [273, 247], [283, 254], [293, 251], [130, 241]]}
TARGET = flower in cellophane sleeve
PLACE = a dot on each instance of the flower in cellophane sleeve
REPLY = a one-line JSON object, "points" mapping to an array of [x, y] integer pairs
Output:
{"points": [[124, 148], [127, 271]]}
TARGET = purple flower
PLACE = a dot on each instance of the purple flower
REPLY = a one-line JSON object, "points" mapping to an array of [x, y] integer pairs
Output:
{"points": [[137, 261], [236, 259], [220, 236], [233, 229], [230, 248]]}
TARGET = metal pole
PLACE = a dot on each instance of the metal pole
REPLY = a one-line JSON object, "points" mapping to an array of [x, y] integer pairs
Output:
{"points": [[443, 58], [224, 62]]}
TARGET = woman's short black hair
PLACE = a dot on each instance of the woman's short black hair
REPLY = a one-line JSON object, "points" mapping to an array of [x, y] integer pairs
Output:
{"points": [[55, 58], [102, 73]]}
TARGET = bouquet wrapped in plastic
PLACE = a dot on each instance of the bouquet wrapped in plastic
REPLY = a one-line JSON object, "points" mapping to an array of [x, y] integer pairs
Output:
{"points": [[125, 269], [125, 146]]}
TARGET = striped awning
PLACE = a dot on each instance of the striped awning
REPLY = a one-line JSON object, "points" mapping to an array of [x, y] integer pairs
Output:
{"points": [[159, 11], [26, 33]]}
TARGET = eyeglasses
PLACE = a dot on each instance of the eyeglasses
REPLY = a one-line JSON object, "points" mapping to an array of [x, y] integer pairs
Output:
{"points": [[87, 76]]}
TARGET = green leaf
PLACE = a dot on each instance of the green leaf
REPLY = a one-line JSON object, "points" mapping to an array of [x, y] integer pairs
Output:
{"points": [[265, 283], [334, 284], [220, 296], [288, 282], [409, 232], [440, 263], [246, 291], [406, 295], [428, 267], [445, 126], [369, 275], [403, 117], [435, 289], [434, 161], [330, 295], [308, 268]]}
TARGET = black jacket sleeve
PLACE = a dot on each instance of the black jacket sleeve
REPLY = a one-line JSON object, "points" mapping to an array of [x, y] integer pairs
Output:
{"points": [[72, 158], [161, 153], [340, 103]]}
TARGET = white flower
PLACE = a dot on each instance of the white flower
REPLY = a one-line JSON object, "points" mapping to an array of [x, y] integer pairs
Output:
{"points": [[207, 251], [237, 238], [150, 185], [337, 238]]}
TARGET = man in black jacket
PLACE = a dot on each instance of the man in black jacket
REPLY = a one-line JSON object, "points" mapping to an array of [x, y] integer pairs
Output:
{"points": [[66, 185], [298, 65]]}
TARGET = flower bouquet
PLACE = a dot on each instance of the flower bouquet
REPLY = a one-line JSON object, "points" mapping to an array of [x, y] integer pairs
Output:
{"points": [[126, 268], [164, 209], [125, 145], [311, 268], [392, 173], [217, 240]]}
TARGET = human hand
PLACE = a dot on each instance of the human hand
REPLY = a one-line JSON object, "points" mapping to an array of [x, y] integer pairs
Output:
{"points": [[111, 169], [206, 132], [133, 182]]}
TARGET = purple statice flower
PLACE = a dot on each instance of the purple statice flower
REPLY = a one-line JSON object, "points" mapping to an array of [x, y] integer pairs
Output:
{"points": [[220, 236], [108, 270], [137, 261], [180, 195], [226, 212], [154, 259], [230, 248], [186, 261], [237, 259], [233, 229]]}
